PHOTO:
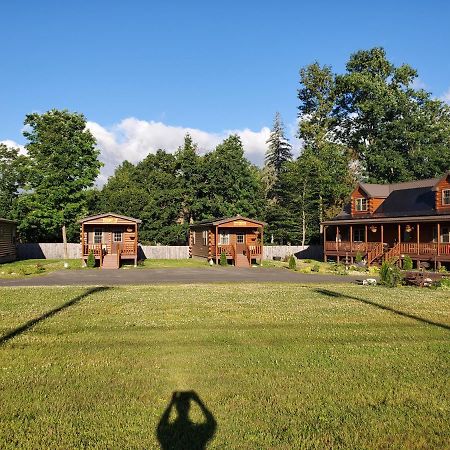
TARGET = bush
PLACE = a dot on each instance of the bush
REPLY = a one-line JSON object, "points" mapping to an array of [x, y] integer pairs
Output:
{"points": [[407, 263], [358, 257], [40, 268], [315, 268], [444, 283], [390, 275], [91, 260], [223, 259], [292, 262]]}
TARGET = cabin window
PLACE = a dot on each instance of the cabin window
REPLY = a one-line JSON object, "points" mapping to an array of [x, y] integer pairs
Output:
{"points": [[205, 237], [361, 204], [358, 235], [224, 238], [240, 238], [98, 236], [117, 236], [446, 197], [445, 235], [193, 238]]}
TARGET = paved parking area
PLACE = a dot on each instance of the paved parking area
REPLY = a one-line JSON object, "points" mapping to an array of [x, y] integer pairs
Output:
{"points": [[176, 275]]}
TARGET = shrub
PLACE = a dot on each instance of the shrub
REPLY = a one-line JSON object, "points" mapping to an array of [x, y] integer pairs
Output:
{"points": [[407, 263], [40, 268], [442, 269], [315, 268], [358, 257], [292, 262], [390, 275], [223, 259], [444, 283], [91, 260]]}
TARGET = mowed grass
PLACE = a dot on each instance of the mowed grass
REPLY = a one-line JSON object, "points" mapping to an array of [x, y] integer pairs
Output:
{"points": [[279, 366]]}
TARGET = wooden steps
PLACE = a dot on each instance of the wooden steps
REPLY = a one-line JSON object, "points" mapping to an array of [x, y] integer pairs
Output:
{"points": [[110, 262], [241, 261]]}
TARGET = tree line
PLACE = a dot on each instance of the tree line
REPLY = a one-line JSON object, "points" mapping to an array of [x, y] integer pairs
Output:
{"points": [[369, 123]]}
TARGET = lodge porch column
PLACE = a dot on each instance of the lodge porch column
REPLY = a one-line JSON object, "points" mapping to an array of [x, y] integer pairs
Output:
{"points": [[418, 238], [382, 234], [438, 239], [325, 243], [217, 246]]}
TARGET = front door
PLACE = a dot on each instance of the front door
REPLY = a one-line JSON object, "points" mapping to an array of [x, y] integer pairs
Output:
{"points": [[240, 242]]}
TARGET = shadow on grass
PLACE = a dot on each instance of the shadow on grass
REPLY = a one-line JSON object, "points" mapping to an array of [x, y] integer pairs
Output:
{"points": [[182, 433], [383, 307], [31, 323]]}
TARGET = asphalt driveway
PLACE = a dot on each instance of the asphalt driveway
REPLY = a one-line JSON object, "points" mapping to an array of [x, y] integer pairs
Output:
{"points": [[176, 275]]}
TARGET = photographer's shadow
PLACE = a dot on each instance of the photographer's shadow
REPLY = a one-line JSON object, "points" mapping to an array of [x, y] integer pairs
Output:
{"points": [[183, 433]]}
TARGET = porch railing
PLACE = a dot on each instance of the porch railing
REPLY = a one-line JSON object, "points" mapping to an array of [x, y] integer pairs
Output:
{"points": [[228, 249], [347, 246]]}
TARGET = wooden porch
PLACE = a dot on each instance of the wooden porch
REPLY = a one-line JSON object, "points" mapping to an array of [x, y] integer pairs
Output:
{"points": [[388, 242], [250, 253]]}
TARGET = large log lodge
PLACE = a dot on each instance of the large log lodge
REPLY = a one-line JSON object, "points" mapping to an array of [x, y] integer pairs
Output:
{"points": [[7, 240], [239, 238], [111, 238], [388, 222]]}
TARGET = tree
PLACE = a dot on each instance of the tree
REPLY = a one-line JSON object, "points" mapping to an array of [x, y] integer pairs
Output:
{"points": [[12, 174], [231, 184], [323, 169], [280, 150], [398, 133], [63, 165]]}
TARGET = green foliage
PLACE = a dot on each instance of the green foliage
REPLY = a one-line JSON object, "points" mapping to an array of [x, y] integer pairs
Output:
{"points": [[90, 260], [280, 150], [407, 263], [223, 259], [358, 257], [315, 267], [390, 275], [444, 283], [63, 163], [292, 262]]}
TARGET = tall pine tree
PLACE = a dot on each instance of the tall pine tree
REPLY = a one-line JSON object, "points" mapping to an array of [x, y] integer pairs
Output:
{"points": [[280, 150]]}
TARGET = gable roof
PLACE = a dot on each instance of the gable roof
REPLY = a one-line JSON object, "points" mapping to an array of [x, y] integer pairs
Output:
{"points": [[402, 200], [99, 216], [223, 220], [384, 190]]}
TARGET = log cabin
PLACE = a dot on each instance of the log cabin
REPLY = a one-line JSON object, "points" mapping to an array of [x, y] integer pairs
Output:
{"points": [[7, 240], [240, 238], [386, 222], [112, 238]]}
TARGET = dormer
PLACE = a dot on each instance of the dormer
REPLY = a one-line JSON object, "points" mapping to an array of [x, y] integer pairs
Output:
{"points": [[442, 193], [367, 198]]}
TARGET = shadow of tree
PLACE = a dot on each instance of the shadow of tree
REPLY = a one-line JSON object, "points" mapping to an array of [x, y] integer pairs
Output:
{"points": [[383, 307], [183, 433], [31, 323]]}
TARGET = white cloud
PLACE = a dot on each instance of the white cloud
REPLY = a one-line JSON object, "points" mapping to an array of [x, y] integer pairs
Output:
{"points": [[10, 143], [418, 84], [446, 96], [134, 139]]}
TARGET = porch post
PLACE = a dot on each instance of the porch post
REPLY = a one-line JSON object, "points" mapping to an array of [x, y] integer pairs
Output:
{"points": [[135, 244], [382, 233], [367, 248], [82, 243], [418, 238], [325, 243], [351, 238], [262, 246], [438, 239], [399, 233], [337, 237], [217, 247]]}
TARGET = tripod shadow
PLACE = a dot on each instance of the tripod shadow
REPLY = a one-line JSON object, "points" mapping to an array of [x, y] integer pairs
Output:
{"points": [[183, 433]]}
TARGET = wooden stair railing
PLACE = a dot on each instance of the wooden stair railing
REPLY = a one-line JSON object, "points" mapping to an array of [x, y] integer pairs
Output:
{"points": [[375, 253], [393, 254]]}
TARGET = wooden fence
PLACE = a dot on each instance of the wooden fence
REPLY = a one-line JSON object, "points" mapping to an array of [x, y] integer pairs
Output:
{"points": [[56, 251]]}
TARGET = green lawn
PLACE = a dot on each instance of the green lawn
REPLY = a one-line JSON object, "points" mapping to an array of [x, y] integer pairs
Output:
{"points": [[278, 366], [33, 267]]}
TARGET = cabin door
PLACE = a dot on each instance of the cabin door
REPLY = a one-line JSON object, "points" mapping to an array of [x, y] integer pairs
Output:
{"points": [[240, 242]]}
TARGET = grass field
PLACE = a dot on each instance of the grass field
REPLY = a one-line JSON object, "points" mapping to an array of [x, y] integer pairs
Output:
{"points": [[277, 366]]}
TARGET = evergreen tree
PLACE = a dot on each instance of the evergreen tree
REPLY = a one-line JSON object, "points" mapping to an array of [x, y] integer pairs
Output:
{"points": [[280, 150]]}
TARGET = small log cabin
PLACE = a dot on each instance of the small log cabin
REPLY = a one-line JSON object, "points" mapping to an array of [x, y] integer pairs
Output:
{"points": [[111, 237], [7, 240], [240, 238], [389, 221]]}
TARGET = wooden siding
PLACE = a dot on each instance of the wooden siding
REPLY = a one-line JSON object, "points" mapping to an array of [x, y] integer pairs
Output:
{"points": [[441, 186], [372, 203], [199, 249], [7, 241]]}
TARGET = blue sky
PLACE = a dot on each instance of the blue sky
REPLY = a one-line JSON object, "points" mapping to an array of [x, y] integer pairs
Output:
{"points": [[143, 72]]}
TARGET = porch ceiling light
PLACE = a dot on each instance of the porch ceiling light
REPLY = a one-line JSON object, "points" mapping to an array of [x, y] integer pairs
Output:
{"points": [[373, 229]]}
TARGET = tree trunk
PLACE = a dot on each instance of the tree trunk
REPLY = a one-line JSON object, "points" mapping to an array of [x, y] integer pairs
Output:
{"points": [[64, 236], [303, 215]]}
